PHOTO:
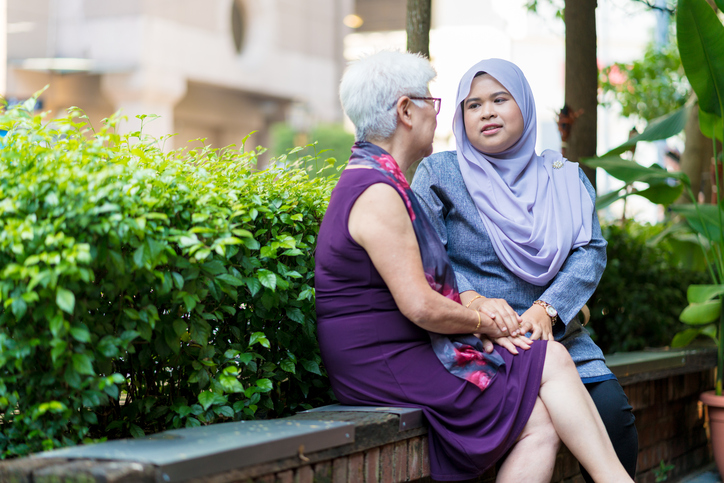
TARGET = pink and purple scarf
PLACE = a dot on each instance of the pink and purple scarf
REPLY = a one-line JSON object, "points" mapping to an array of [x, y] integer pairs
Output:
{"points": [[462, 355]]}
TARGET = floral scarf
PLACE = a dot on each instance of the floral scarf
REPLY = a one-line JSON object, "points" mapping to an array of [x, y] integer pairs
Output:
{"points": [[462, 355]]}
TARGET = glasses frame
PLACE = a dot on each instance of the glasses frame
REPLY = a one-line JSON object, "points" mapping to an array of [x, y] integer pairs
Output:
{"points": [[436, 102]]}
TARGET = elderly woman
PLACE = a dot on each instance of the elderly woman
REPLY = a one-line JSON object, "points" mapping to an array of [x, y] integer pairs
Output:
{"points": [[521, 230], [391, 327]]}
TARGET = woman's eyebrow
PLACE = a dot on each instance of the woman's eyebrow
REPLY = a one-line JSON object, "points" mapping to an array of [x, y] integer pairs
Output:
{"points": [[493, 95]]}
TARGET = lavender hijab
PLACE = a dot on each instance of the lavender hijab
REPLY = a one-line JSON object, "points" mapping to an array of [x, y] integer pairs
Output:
{"points": [[534, 207]]}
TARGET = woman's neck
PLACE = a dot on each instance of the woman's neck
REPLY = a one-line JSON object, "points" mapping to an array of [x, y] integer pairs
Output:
{"points": [[397, 150]]}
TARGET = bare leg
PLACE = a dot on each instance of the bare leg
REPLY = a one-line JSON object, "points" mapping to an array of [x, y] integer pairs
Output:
{"points": [[533, 457], [576, 419]]}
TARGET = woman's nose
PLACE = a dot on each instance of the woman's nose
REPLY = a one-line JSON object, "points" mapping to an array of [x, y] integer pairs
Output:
{"points": [[487, 112]]}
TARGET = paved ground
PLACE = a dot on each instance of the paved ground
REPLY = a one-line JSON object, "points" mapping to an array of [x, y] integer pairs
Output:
{"points": [[708, 474]]}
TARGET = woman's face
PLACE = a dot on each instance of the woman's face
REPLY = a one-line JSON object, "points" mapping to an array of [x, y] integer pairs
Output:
{"points": [[493, 121], [425, 130]]}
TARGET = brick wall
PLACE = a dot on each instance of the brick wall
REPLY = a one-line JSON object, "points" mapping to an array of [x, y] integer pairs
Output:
{"points": [[669, 418]]}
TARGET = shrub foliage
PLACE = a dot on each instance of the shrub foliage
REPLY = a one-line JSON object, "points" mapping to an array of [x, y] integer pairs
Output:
{"points": [[642, 291], [142, 290]]}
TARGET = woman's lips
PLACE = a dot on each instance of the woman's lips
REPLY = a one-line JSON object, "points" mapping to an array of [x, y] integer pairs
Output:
{"points": [[491, 129]]}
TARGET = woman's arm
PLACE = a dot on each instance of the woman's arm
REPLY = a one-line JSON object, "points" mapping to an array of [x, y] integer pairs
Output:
{"points": [[380, 223], [581, 272], [431, 194]]}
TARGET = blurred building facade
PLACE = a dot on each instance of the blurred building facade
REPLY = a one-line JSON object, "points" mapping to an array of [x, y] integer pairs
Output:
{"points": [[214, 69]]}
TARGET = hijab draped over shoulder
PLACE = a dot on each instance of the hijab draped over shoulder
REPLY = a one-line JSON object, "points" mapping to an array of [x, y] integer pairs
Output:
{"points": [[534, 207]]}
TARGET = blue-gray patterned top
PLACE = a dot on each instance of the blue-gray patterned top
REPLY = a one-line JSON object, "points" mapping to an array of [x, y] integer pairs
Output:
{"points": [[441, 190]]}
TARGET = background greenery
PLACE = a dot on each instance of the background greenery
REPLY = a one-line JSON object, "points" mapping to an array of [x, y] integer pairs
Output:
{"points": [[143, 290], [324, 145], [643, 289]]}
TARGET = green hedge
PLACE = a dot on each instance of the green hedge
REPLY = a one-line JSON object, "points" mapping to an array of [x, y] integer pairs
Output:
{"points": [[642, 291], [143, 290]]}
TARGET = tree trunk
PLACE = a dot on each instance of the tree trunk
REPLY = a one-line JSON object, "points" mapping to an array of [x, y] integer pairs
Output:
{"points": [[581, 79], [696, 159], [419, 13]]}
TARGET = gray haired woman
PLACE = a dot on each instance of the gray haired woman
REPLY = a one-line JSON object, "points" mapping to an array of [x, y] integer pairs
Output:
{"points": [[391, 328]]}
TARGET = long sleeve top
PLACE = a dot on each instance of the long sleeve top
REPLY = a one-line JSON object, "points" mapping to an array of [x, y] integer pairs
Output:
{"points": [[439, 185]]}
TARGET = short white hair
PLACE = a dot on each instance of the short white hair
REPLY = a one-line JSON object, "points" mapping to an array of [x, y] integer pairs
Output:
{"points": [[372, 85]]}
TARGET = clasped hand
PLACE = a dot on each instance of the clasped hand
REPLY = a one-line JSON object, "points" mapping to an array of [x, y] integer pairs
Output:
{"points": [[512, 328]]}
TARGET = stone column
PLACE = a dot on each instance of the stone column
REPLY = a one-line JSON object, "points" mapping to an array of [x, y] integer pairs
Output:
{"points": [[145, 92]]}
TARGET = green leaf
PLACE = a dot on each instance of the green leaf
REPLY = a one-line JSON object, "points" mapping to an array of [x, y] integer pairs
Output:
{"points": [[178, 280], [260, 338], [312, 367], [80, 334], [296, 315], [700, 37], [288, 366], [703, 313], [230, 383], [267, 278], [65, 300], [630, 171], [225, 411], [206, 399], [251, 244], [663, 127], [253, 285], [264, 385], [662, 194], [230, 279], [685, 337], [136, 431], [711, 125], [703, 219], [82, 364], [697, 294]]}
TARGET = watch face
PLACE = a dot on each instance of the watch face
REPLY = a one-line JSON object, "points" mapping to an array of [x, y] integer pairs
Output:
{"points": [[551, 311]]}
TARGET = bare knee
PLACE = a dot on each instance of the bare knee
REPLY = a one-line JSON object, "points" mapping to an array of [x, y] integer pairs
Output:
{"points": [[558, 356], [540, 429]]}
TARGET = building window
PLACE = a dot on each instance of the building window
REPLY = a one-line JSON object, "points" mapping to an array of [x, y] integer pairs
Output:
{"points": [[238, 24]]}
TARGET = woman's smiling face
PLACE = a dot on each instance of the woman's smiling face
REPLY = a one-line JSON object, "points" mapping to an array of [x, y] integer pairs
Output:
{"points": [[493, 121]]}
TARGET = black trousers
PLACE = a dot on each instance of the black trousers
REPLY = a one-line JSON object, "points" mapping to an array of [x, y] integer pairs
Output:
{"points": [[618, 418]]}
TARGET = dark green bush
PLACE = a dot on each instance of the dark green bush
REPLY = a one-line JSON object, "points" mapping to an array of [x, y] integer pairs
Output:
{"points": [[642, 292], [143, 290]]}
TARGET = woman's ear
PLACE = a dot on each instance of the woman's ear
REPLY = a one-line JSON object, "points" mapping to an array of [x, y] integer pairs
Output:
{"points": [[404, 113]]}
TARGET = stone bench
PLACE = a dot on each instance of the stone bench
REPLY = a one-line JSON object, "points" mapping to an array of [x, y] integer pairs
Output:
{"points": [[343, 444]]}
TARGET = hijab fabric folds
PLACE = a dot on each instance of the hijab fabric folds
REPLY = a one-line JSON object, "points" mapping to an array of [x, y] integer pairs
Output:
{"points": [[534, 207], [461, 355]]}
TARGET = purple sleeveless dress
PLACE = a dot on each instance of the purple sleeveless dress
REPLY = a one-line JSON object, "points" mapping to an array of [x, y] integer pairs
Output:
{"points": [[375, 356]]}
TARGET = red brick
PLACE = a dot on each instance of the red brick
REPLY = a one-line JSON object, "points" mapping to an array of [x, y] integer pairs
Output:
{"points": [[339, 470], [356, 468], [387, 463], [425, 457], [372, 465], [265, 479], [323, 472], [304, 474], [400, 461], [284, 477], [414, 458]]}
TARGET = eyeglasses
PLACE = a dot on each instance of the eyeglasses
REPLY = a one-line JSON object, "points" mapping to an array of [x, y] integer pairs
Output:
{"points": [[436, 102]]}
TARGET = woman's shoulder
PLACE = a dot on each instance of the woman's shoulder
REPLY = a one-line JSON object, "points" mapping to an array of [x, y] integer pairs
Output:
{"points": [[438, 168], [442, 159]]}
